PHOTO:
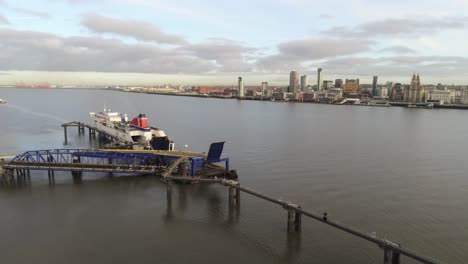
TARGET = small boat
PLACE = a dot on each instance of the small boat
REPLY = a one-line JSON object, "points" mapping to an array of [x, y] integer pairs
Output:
{"points": [[410, 105], [2, 101]]}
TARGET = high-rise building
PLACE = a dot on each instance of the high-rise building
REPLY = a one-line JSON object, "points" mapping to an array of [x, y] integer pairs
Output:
{"points": [[338, 83], [293, 82], [389, 86], [415, 92], [264, 88], [374, 85], [240, 86], [319, 79], [304, 83]]}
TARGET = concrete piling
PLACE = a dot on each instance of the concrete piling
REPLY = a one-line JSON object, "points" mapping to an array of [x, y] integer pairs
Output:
{"points": [[169, 190]]}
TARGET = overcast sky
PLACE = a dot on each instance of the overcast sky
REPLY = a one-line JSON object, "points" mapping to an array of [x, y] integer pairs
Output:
{"points": [[213, 42]]}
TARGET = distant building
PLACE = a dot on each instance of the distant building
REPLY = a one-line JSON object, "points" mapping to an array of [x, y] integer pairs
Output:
{"points": [[264, 88], [389, 86], [383, 92], [319, 79], [351, 88], [442, 96], [397, 94], [338, 83], [240, 86], [415, 92], [374, 85], [464, 96], [304, 83], [293, 82], [327, 85]]}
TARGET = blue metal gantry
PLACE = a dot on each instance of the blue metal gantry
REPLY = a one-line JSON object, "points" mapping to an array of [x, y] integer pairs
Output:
{"points": [[114, 161]]}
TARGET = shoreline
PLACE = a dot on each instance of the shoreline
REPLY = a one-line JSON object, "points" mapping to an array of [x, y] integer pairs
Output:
{"points": [[396, 104]]}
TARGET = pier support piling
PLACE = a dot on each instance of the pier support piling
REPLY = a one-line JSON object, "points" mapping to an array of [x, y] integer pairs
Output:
{"points": [[390, 255], [65, 133], [169, 190], [294, 223], [234, 192]]}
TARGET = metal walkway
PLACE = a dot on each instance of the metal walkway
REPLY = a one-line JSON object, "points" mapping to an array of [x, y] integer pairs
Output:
{"points": [[120, 161]]}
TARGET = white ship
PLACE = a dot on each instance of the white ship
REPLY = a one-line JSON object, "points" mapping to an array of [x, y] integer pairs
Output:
{"points": [[136, 132], [2, 101]]}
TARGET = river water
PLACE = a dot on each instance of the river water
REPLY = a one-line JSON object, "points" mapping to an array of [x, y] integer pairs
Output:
{"points": [[395, 172]]}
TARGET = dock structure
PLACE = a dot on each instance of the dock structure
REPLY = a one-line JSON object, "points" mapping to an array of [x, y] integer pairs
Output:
{"points": [[151, 162], [92, 132], [183, 166], [295, 213]]}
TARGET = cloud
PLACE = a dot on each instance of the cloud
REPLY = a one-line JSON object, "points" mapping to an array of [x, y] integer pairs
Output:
{"points": [[293, 54], [322, 48], [398, 49], [30, 50], [430, 66], [138, 30], [230, 55], [399, 27], [3, 20], [30, 12]]}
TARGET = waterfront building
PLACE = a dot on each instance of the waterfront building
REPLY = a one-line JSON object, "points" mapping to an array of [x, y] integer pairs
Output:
{"points": [[351, 88], [397, 94], [304, 83], [463, 98], [319, 79], [269, 93], [338, 83], [443, 96], [327, 85], [293, 82], [415, 92], [383, 92], [240, 86], [374, 85], [264, 88], [334, 95]]}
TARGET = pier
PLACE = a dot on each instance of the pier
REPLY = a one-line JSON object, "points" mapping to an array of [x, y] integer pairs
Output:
{"points": [[295, 214], [188, 167], [92, 132], [183, 167], [148, 162]]}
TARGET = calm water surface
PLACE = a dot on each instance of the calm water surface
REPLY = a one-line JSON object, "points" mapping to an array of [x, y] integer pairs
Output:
{"points": [[398, 172]]}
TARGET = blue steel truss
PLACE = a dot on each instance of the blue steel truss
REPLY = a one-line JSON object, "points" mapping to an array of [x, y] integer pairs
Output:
{"points": [[104, 161]]}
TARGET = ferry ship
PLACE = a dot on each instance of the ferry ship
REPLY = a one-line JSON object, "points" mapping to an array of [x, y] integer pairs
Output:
{"points": [[136, 132]]}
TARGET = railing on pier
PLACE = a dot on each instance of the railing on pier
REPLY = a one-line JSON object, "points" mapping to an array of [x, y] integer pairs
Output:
{"points": [[391, 250]]}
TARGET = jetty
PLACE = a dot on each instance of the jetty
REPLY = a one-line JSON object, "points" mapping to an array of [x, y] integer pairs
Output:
{"points": [[175, 166]]}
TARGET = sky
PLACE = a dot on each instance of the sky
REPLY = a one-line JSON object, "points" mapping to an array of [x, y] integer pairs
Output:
{"points": [[213, 42]]}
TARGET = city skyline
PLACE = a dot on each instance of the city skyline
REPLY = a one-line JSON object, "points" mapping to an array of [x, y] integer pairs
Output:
{"points": [[180, 42]]}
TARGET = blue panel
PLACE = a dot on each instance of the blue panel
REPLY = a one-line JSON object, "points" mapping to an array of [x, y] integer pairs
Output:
{"points": [[214, 154]]}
